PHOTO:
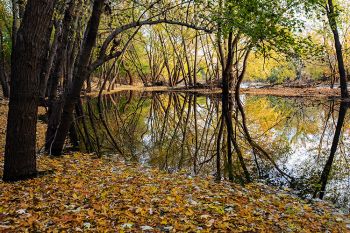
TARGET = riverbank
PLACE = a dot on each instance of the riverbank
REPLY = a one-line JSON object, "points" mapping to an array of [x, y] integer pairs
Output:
{"points": [[315, 92], [85, 193]]}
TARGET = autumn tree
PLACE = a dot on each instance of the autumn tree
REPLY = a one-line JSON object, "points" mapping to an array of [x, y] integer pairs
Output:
{"points": [[332, 18], [107, 51]]}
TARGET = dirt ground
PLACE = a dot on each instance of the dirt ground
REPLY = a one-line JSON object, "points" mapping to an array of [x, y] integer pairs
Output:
{"points": [[3, 120]]}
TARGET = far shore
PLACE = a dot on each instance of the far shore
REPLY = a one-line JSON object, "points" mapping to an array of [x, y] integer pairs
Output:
{"points": [[317, 92]]}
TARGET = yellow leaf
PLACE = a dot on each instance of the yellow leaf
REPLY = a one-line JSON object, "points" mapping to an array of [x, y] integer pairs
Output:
{"points": [[189, 212], [91, 213]]}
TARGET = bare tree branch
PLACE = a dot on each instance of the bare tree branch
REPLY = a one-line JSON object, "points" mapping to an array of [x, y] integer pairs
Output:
{"points": [[125, 27]]}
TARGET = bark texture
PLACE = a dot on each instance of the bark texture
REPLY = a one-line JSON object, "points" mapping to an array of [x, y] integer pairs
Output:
{"points": [[20, 154]]}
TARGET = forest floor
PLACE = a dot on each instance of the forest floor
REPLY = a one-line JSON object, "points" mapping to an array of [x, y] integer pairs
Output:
{"points": [[85, 193], [275, 91]]}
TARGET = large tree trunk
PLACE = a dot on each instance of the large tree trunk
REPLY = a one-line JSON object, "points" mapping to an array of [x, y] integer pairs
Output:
{"points": [[20, 154], [338, 47], [80, 76]]}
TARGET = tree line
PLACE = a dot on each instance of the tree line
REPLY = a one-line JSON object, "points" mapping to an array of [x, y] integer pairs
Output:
{"points": [[57, 46]]}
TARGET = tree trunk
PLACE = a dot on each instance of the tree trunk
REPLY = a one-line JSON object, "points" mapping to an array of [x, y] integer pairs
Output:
{"points": [[81, 75], [15, 22], [55, 102], [54, 116], [47, 65], [20, 154], [61, 55], [195, 60], [73, 136], [225, 104], [338, 47], [3, 79]]}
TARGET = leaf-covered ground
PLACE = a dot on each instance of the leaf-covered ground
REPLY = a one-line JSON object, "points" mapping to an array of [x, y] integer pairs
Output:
{"points": [[106, 195], [3, 122]]}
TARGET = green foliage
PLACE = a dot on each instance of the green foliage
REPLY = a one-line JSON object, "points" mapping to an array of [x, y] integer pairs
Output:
{"points": [[6, 28], [268, 24], [279, 75]]}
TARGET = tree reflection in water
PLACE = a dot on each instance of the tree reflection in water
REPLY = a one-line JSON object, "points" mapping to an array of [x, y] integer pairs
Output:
{"points": [[301, 143]]}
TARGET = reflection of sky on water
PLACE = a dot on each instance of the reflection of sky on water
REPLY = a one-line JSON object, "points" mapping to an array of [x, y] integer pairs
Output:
{"points": [[300, 124], [308, 154]]}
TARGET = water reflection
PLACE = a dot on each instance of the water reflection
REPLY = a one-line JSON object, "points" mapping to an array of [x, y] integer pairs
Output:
{"points": [[297, 142]]}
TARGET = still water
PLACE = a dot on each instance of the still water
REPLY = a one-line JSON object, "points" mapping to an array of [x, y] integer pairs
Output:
{"points": [[281, 141]]}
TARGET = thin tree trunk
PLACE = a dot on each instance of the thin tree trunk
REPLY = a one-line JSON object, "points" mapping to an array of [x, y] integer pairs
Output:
{"points": [[47, 66], [195, 60], [81, 75], [15, 22], [61, 57], [3, 77], [55, 102], [45, 58], [73, 136], [195, 157], [338, 47], [189, 74]]}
